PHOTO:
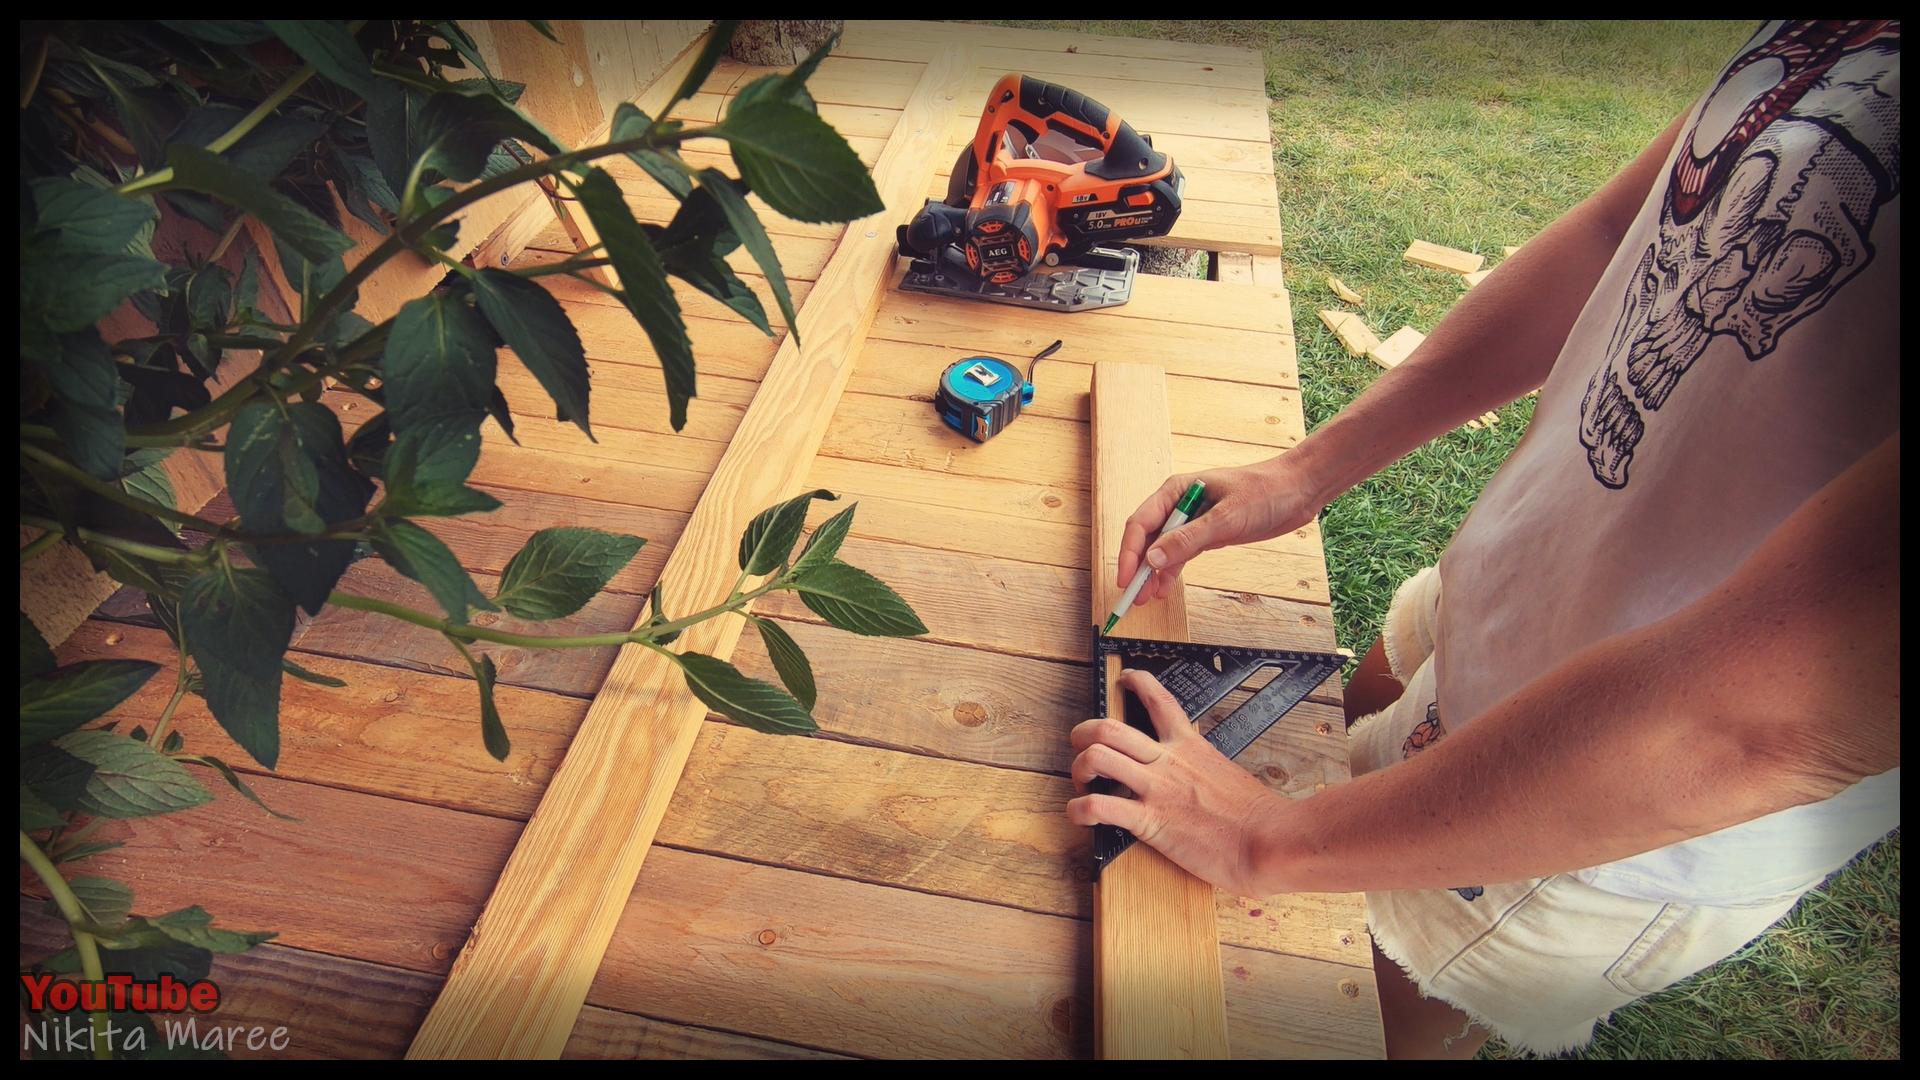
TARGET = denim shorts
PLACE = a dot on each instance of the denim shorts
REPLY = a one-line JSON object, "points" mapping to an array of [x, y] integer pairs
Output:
{"points": [[1536, 962]]}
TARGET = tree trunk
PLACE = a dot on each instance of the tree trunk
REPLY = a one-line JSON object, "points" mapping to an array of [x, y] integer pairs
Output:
{"points": [[780, 42]]}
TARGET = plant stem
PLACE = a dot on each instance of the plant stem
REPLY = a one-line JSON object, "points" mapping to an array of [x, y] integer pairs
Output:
{"points": [[642, 635], [76, 916], [41, 543], [113, 493], [226, 239], [234, 134], [173, 703], [39, 68]]}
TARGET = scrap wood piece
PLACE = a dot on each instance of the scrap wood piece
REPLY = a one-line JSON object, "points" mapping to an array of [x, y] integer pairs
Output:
{"points": [[1398, 346], [1510, 249], [1475, 278], [1234, 267], [1434, 256], [1340, 290], [523, 975], [1352, 330], [1156, 949]]}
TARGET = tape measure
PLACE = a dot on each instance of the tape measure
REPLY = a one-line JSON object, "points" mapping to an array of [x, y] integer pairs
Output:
{"points": [[981, 395]]}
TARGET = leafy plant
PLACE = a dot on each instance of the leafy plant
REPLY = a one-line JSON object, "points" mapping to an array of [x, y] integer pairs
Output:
{"points": [[286, 123]]}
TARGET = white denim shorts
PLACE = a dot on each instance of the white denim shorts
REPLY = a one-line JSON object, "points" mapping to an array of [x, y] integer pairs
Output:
{"points": [[1536, 962]]}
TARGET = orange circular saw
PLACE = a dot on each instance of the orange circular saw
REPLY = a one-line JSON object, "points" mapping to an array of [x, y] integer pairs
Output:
{"points": [[1051, 178]]}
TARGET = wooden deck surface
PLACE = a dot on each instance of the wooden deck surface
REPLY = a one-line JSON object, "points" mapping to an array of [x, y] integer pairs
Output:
{"points": [[906, 884]]}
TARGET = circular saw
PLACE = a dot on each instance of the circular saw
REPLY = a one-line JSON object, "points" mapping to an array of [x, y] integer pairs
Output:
{"points": [[1039, 202]]}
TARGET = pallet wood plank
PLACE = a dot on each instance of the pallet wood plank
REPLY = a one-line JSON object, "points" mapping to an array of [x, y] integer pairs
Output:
{"points": [[1355, 335], [524, 974], [1156, 941], [1439, 257], [1398, 346]]}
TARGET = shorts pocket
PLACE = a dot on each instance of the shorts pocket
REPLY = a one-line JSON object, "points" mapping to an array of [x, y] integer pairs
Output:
{"points": [[1661, 956]]}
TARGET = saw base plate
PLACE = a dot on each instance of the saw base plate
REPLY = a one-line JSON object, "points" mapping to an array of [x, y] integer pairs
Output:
{"points": [[1060, 288]]}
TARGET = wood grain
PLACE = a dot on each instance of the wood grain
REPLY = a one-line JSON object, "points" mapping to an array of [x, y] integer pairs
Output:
{"points": [[524, 974], [1156, 944]]}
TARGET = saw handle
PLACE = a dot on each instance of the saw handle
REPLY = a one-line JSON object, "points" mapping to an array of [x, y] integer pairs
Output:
{"points": [[1041, 106]]}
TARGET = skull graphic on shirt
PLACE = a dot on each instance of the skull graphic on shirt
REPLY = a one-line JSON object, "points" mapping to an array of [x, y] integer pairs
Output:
{"points": [[1759, 228]]}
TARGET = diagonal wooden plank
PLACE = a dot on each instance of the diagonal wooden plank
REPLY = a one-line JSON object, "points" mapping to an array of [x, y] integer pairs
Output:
{"points": [[525, 971], [1156, 948]]}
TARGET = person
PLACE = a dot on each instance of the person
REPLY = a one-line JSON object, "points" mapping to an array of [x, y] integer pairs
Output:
{"points": [[1650, 694]]}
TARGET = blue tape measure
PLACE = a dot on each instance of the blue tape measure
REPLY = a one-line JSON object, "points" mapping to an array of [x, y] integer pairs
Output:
{"points": [[979, 397]]}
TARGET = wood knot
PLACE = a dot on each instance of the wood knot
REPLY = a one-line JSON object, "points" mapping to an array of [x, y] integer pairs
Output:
{"points": [[390, 696], [484, 618], [441, 950], [1274, 773], [1350, 988], [115, 638], [1050, 500], [1060, 1017], [1257, 912], [1273, 420], [970, 714], [767, 937], [1240, 972], [1323, 728]]}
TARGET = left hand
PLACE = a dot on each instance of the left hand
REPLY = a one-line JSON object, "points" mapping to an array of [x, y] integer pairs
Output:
{"points": [[1191, 802]]}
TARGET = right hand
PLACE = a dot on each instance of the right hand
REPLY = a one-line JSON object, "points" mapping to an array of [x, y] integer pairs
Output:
{"points": [[1244, 505]]}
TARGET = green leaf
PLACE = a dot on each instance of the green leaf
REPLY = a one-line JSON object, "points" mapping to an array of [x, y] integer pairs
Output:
{"points": [[537, 329], [197, 170], [852, 599], [393, 130], [86, 387], [330, 48], [220, 31], [427, 467], [710, 53], [313, 677], [287, 469], [825, 542], [107, 902], [440, 358], [237, 626], [56, 778], [798, 164], [502, 414], [144, 475], [770, 536], [707, 271], [85, 850], [367, 450], [192, 926], [88, 218], [36, 659], [560, 569], [756, 703], [70, 291], [664, 166], [37, 813], [233, 779], [130, 779], [746, 225], [644, 285], [420, 555], [55, 704], [546, 31], [492, 732], [789, 660], [790, 87], [461, 130]]}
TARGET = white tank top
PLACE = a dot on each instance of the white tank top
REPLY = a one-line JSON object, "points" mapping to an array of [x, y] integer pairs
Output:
{"points": [[1740, 352]]}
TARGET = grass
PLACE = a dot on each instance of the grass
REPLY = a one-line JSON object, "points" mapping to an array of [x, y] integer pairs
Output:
{"points": [[1476, 136]]}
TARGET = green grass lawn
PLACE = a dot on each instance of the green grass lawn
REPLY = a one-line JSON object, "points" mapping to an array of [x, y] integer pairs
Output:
{"points": [[1475, 136]]}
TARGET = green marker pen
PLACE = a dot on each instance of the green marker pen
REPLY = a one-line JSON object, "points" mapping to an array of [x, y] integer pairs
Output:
{"points": [[1183, 512]]}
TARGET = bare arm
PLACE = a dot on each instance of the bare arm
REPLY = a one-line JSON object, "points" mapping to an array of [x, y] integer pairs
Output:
{"points": [[1780, 687], [1497, 343]]}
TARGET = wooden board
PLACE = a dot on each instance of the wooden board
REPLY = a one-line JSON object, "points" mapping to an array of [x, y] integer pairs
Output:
{"points": [[523, 976], [1156, 951], [1352, 330], [1452, 260], [1398, 346]]}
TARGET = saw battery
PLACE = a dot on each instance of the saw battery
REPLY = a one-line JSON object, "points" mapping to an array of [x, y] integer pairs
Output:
{"points": [[981, 396]]}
